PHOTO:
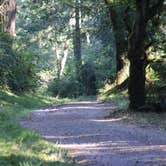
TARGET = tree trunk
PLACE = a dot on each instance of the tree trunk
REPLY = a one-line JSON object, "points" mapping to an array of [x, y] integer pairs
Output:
{"points": [[122, 62], [123, 73], [8, 17], [11, 15], [58, 61], [137, 77], [116, 29], [1, 19], [137, 58], [66, 44], [77, 42], [145, 10], [65, 55]]}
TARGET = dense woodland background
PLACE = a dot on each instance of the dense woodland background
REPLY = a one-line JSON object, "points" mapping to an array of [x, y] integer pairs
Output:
{"points": [[74, 48], [112, 49]]}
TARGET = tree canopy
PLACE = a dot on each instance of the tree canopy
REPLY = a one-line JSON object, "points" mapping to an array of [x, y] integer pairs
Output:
{"points": [[72, 47]]}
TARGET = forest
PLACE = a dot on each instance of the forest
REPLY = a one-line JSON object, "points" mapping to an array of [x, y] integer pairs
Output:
{"points": [[101, 59]]}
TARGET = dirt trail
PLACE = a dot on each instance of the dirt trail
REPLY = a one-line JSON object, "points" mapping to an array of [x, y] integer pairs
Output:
{"points": [[94, 141]]}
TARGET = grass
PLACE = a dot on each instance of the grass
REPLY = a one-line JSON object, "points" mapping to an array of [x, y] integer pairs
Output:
{"points": [[86, 98], [118, 99], [141, 119], [22, 147]]}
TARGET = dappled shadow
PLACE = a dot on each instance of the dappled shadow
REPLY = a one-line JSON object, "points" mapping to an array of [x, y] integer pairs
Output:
{"points": [[117, 153], [118, 88], [91, 149], [95, 141], [21, 160]]}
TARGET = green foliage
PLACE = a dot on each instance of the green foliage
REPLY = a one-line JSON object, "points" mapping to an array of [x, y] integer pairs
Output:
{"points": [[22, 147], [23, 73], [88, 79], [17, 70], [68, 86], [45, 32], [45, 27], [155, 86], [65, 87], [6, 58]]}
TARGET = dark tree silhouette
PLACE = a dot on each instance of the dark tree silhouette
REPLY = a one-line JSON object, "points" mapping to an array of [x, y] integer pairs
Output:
{"points": [[145, 11]]}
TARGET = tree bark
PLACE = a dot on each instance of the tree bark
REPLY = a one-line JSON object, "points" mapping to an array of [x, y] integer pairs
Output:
{"points": [[65, 55], [119, 49], [137, 55], [122, 62], [1, 19], [11, 18], [77, 42], [137, 58]]}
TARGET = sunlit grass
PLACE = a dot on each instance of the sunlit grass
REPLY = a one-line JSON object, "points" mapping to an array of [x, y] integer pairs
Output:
{"points": [[142, 119], [118, 99], [22, 147]]}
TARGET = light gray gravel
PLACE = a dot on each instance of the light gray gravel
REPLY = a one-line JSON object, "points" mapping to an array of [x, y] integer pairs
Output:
{"points": [[92, 140]]}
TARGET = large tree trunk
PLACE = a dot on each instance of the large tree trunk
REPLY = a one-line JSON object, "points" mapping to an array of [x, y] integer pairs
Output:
{"points": [[137, 58], [119, 49], [77, 42], [122, 62], [137, 72], [136, 52]]}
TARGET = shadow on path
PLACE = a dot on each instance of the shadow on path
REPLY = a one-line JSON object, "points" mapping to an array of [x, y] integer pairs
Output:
{"points": [[80, 127]]}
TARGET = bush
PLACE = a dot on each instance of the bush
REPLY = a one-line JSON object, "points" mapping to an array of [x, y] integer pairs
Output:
{"points": [[66, 87], [156, 86], [88, 78], [17, 70], [6, 58], [23, 73]]}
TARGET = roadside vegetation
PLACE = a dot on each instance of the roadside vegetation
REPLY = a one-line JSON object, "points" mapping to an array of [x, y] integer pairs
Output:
{"points": [[54, 49], [146, 118], [22, 147]]}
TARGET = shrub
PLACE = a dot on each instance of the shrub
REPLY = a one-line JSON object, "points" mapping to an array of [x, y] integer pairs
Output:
{"points": [[65, 87], [6, 58], [23, 73], [88, 78], [17, 70]]}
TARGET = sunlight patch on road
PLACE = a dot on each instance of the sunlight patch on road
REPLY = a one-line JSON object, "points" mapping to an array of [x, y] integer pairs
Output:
{"points": [[108, 120]]}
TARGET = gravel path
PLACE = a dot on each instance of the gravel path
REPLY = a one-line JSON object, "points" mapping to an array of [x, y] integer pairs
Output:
{"points": [[91, 140]]}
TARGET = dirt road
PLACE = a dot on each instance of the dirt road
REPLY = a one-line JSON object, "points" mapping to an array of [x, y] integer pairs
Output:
{"points": [[93, 140]]}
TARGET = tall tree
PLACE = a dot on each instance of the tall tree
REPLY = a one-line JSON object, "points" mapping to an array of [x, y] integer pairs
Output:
{"points": [[77, 40], [8, 16], [1, 18], [121, 26], [11, 15], [145, 11]]}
